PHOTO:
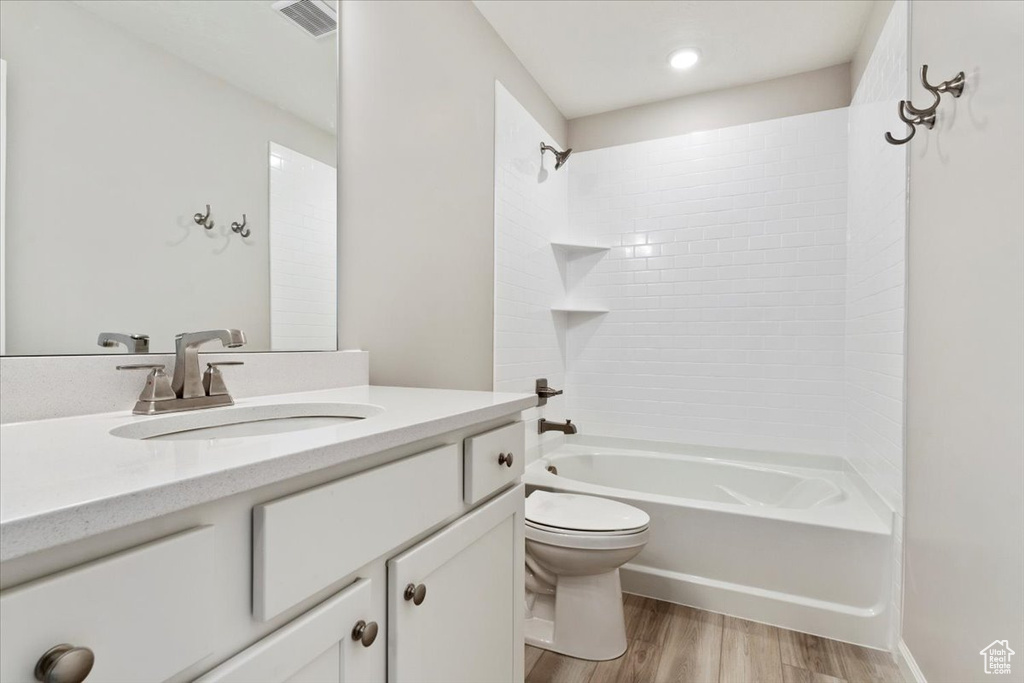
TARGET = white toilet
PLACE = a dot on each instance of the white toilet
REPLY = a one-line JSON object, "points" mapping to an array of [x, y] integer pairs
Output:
{"points": [[574, 547]]}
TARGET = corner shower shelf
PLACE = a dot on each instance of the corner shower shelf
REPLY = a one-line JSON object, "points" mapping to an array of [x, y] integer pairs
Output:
{"points": [[578, 308], [580, 248]]}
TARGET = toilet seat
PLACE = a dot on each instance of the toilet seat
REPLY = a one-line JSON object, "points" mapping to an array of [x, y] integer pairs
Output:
{"points": [[573, 514], [584, 540], [587, 522]]}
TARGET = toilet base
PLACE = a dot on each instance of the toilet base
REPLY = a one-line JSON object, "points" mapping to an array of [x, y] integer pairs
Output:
{"points": [[583, 619]]}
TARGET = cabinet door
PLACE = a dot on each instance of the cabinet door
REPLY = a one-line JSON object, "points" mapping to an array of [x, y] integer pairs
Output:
{"points": [[468, 625], [318, 646]]}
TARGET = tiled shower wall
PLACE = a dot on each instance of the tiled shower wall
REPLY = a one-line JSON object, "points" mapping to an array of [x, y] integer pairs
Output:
{"points": [[530, 210], [876, 270], [725, 287]]}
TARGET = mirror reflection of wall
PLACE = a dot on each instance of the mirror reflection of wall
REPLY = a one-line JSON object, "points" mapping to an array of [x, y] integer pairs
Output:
{"points": [[123, 120]]}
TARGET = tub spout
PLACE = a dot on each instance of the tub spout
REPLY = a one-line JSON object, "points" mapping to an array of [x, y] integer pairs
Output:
{"points": [[549, 426]]}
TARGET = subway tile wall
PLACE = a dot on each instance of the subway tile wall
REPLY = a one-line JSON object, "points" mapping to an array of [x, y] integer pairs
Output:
{"points": [[876, 267], [876, 272], [725, 287], [530, 210], [303, 252]]}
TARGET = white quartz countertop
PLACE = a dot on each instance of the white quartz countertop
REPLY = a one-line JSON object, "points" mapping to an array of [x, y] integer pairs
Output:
{"points": [[66, 479]]}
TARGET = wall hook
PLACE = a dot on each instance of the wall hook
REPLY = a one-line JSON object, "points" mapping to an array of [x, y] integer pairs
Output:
{"points": [[914, 117], [240, 227], [954, 86], [202, 220], [927, 120]]}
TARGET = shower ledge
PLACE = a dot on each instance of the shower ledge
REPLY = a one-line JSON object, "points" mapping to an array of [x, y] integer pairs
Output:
{"points": [[578, 308], [581, 248]]}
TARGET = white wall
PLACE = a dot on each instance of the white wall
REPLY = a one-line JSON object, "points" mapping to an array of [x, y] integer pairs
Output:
{"points": [[803, 93], [876, 276], [303, 252], [113, 144], [530, 210], [417, 187], [725, 284], [964, 560]]}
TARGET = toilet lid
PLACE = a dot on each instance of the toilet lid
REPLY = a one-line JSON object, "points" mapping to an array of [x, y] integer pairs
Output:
{"points": [[583, 513]]}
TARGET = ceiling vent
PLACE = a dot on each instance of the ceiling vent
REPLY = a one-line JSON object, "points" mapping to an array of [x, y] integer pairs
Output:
{"points": [[315, 17]]}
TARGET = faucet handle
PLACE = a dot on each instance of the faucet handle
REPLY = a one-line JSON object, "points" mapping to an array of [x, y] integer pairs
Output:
{"points": [[213, 380], [544, 392], [158, 384]]}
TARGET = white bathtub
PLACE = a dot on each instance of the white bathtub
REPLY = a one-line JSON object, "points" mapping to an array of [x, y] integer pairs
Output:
{"points": [[761, 536]]}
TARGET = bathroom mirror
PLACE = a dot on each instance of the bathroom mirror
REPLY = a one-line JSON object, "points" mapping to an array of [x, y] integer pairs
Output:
{"points": [[168, 166]]}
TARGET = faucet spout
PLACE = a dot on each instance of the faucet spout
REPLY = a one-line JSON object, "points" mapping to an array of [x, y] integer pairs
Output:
{"points": [[187, 381], [548, 426], [134, 343]]}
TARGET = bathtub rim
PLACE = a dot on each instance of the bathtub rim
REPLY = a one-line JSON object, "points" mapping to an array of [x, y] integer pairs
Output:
{"points": [[810, 461], [537, 476]]}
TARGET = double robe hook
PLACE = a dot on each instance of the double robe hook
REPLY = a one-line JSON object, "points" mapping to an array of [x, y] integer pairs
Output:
{"points": [[236, 227], [914, 117]]}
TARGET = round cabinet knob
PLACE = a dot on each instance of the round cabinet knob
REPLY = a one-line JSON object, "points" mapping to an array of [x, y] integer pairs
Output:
{"points": [[505, 459], [365, 633], [64, 664], [416, 593]]}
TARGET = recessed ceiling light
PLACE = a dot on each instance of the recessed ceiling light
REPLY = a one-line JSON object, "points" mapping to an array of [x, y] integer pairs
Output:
{"points": [[683, 59]]}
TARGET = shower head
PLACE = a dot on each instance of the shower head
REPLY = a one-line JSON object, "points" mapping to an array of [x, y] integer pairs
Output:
{"points": [[560, 157]]}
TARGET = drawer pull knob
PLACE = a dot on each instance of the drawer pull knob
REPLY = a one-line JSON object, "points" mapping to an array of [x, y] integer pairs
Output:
{"points": [[365, 633], [64, 664], [416, 593], [505, 460]]}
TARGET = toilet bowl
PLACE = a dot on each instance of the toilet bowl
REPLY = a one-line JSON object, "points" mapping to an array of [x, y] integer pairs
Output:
{"points": [[574, 547]]}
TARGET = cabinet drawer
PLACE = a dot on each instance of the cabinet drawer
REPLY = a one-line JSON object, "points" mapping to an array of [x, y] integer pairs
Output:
{"points": [[305, 542], [486, 460], [145, 613], [320, 645]]}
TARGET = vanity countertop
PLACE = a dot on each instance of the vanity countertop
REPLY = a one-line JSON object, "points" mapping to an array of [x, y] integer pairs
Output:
{"points": [[66, 479]]}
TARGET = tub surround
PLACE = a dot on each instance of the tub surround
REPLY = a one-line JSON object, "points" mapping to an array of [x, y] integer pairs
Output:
{"points": [[66, 479]]}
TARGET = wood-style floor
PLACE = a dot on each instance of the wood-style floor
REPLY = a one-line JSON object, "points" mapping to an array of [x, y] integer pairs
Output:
{"points": [[671, 643]]}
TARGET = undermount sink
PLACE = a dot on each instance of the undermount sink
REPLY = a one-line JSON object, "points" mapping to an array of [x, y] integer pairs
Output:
{"points": [[245, 421]]}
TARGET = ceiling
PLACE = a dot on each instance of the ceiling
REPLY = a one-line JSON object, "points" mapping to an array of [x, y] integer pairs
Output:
{"points": [[244, 42], [592, 56]]}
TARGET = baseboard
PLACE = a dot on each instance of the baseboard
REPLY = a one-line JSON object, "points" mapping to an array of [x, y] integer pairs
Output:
{"points": [[908, 667]]}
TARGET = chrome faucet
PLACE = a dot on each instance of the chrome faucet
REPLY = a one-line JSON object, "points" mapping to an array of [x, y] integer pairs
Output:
{"points": [[187, 390], [187, 382], [134, 343], [549, 426]]}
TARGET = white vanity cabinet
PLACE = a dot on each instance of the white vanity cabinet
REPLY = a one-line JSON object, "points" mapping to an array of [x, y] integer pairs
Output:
{"points": [[391, 571]]}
